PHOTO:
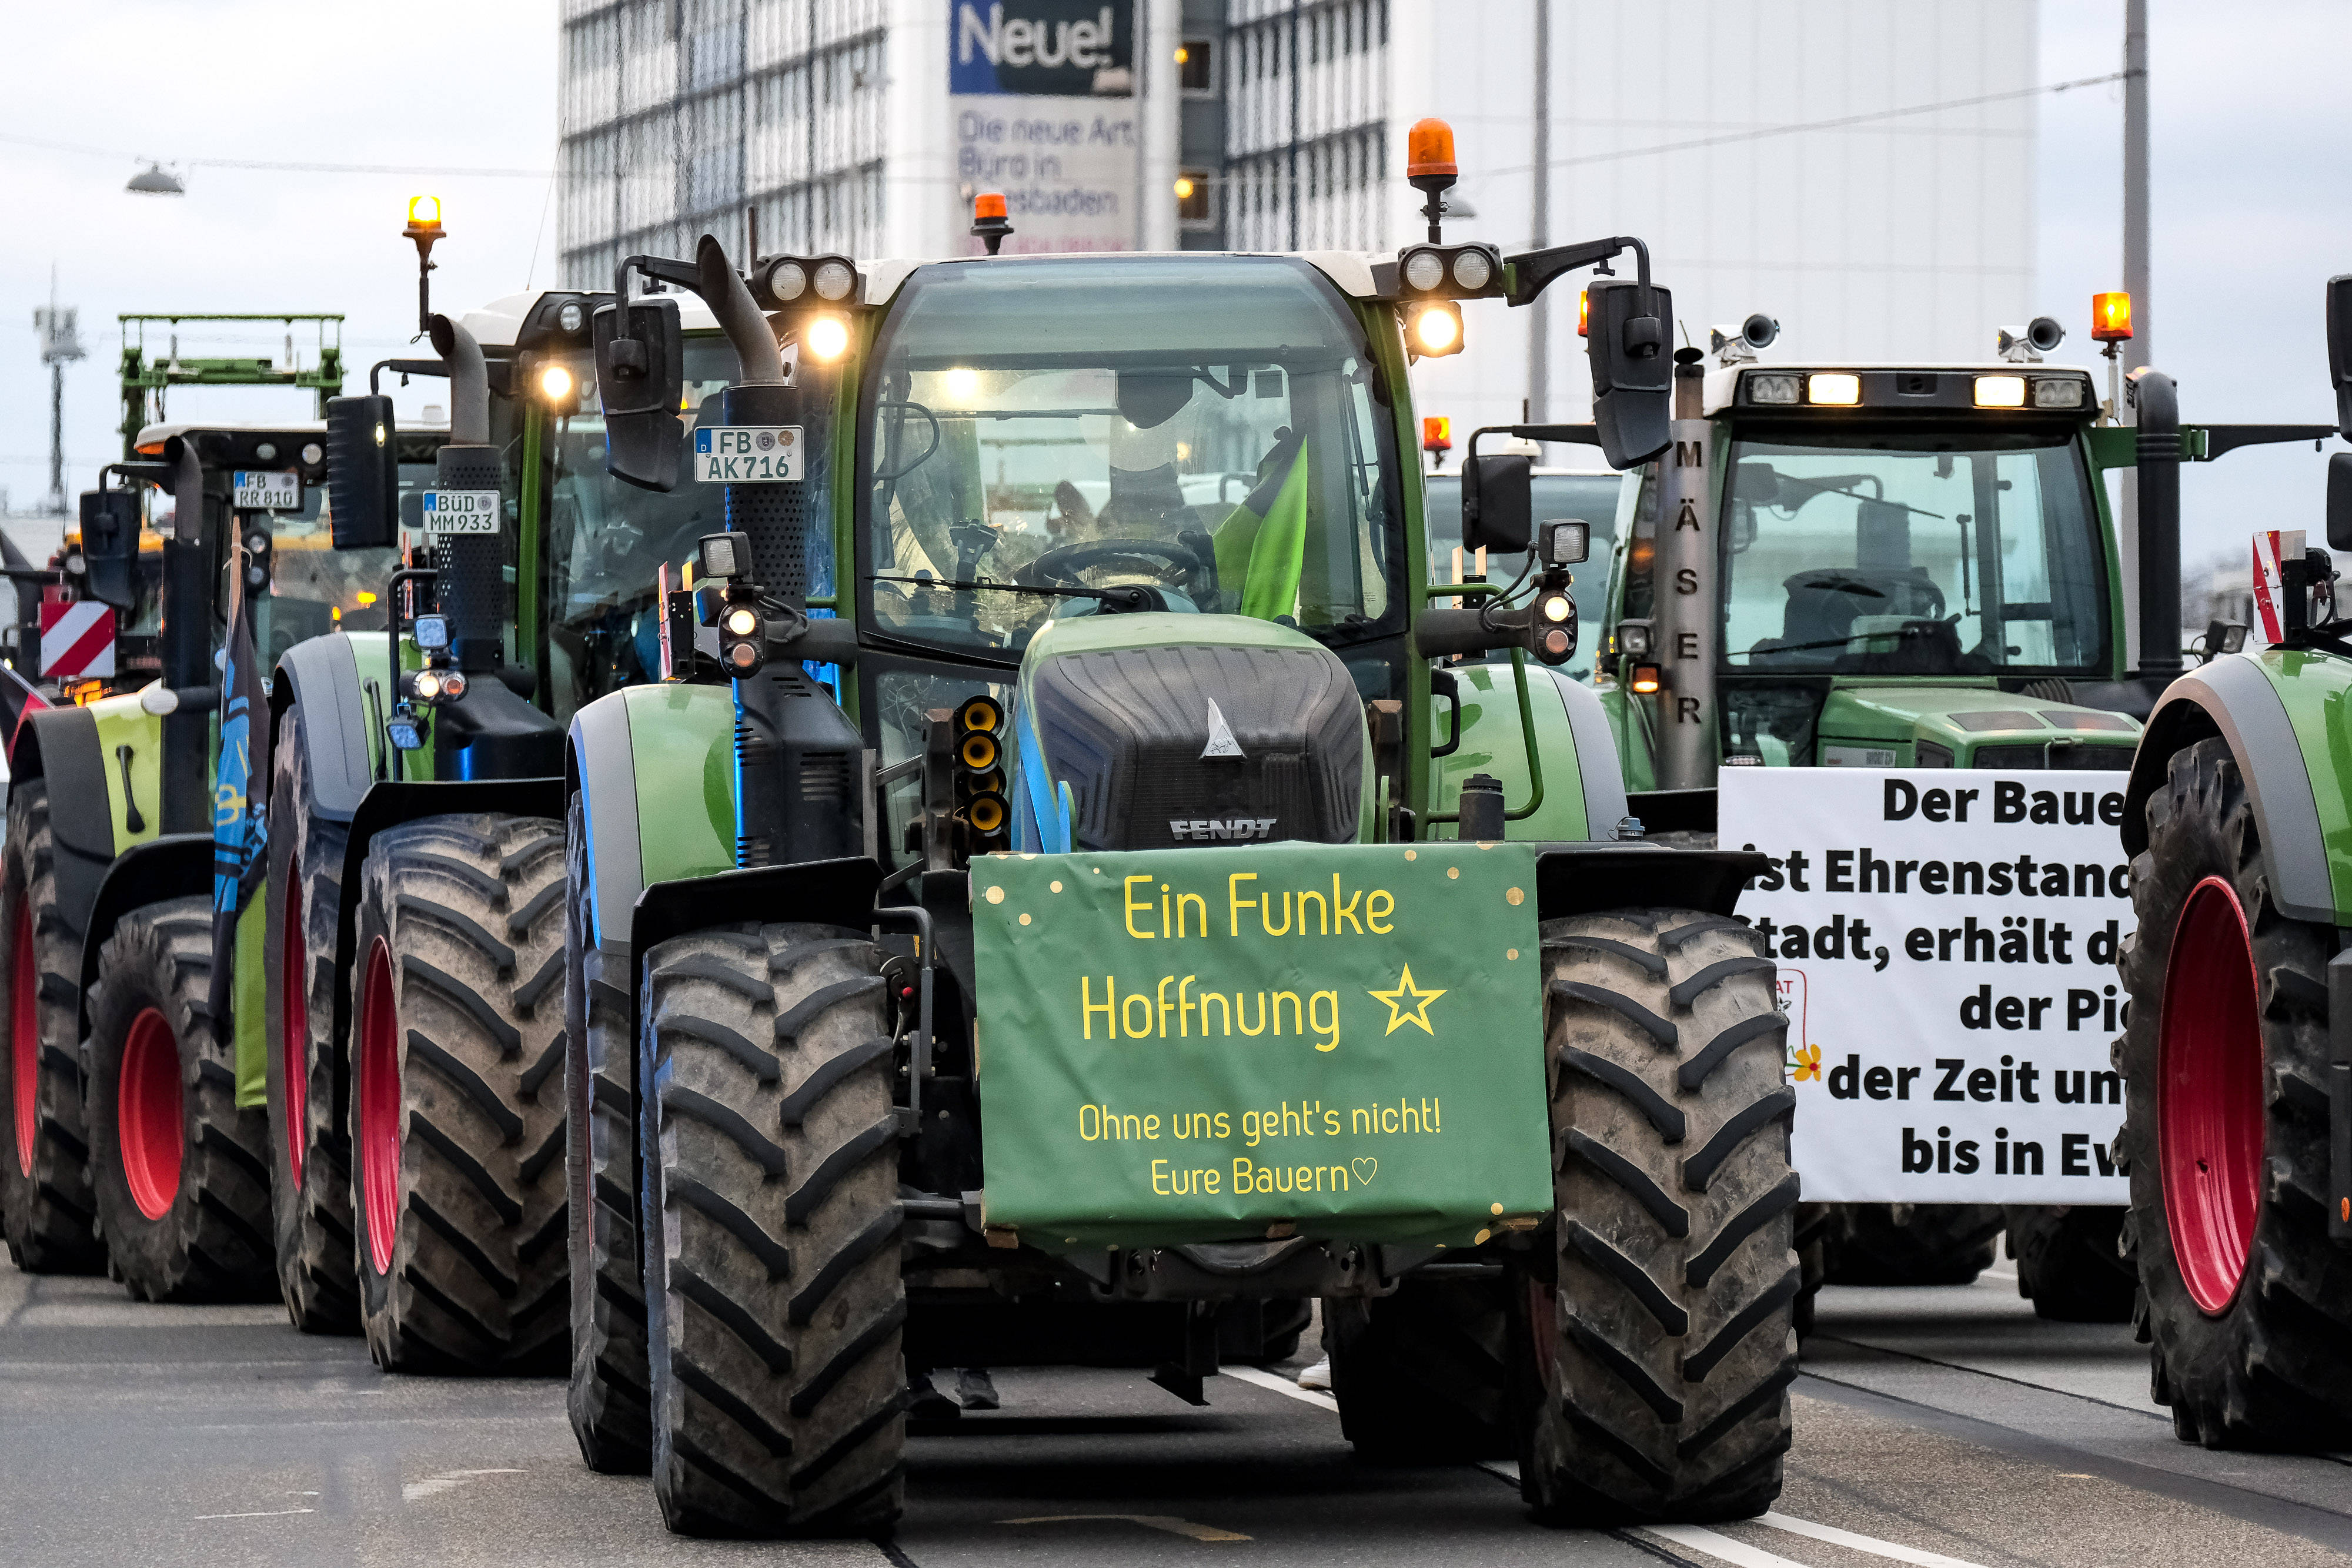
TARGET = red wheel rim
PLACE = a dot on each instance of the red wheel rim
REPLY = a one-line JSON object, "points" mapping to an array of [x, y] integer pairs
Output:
{"points": [[148, 1114], [2209, 1098], [380, 1106], [293, 1050], [23, 1037]]}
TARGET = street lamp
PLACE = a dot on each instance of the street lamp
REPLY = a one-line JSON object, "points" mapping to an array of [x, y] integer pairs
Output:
{"points": [[424, 228], [155, 181]]}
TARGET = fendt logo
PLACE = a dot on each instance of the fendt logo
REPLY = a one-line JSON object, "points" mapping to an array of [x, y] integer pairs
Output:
{"points": [[1078, 44], [1224, 828]]}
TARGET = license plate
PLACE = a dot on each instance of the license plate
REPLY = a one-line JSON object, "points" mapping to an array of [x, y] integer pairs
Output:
{"points": [[261, 491], [747, 453], [461, 511]]}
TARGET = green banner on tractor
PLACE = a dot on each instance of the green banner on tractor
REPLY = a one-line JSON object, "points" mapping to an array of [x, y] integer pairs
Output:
{"points": [[1341, 1041]]}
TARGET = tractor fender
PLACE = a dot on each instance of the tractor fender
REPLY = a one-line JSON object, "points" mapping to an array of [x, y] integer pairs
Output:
{"points": [[1591, 879], [654, 767], [323, 674], [387, 805], [64, 747], [1584, 784], [173, 865], [2236, 697]]}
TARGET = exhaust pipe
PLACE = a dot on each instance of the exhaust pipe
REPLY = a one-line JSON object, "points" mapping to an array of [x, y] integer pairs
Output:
{"points": [[2159, 522]]}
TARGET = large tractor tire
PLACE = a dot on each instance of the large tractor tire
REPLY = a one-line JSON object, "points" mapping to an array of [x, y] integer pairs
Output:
{"points": [[310, 1155], [182, 1174], [2068, 1264], [1665, 1348], [775, 1300], [2224, 1058], [47, 1207], [457, 1096], [1424, 1375], [608, 1401], [1912, 1243]]}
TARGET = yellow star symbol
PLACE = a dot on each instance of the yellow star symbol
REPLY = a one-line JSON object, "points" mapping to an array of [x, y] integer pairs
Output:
{"points": [[1400, 1014]]}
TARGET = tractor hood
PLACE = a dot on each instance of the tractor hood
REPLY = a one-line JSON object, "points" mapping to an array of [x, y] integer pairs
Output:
{"points": [[1939, 724], [1154, 730]]}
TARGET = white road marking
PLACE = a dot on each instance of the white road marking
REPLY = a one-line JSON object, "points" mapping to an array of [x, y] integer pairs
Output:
{"points": [[1169, 1523], [1282, 1385], [1707, 1541], [264, 1513], [447, 1480], [1736, 1552], [1871, 1545]]}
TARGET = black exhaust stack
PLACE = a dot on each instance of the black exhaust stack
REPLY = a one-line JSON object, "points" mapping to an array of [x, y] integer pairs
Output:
{"points": [[2159, 521]]}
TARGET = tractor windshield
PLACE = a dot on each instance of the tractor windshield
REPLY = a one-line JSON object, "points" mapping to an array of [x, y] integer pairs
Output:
{"points": [[1213, 432], [607, 541], [1911, 552]]}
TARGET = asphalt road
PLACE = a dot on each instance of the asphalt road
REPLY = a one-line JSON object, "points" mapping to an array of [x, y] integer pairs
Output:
{"points": [[1939, 1428]]}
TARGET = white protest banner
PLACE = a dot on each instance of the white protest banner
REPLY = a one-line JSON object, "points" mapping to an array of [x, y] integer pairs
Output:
{"points": [[1041, 93], [1947, 942]]}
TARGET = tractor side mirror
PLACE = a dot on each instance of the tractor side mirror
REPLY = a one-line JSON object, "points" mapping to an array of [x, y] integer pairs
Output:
{"points": [[2339, 353], [2339, 501], [363, 473], [110, 545], [1632, 373], [640, 377], [1498, 503]]}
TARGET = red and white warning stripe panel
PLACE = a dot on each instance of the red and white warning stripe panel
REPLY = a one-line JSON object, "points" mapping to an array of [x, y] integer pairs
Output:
{"points": [[76, 641]]}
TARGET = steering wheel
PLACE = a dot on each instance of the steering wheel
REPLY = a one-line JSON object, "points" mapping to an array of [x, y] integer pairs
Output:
{"points": [[1062, 563]]}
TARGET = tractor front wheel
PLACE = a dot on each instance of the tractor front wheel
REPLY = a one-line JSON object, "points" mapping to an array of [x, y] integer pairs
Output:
{"points": [[1663, 1347], [608, 1398], [2225, 1059], [2068, 1263], [774, 1302], [183, 1175], [311, 1165], [456, 1108], [46, 1207]]}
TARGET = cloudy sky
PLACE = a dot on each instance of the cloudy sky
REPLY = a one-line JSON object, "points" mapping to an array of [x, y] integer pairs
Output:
{"points": [[2252, 197]]}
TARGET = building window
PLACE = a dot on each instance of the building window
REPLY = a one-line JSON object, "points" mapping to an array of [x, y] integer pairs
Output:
{"points": [[1196, 66], [1193, 208]]}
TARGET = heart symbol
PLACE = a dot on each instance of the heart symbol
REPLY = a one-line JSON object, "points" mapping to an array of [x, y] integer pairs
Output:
{"points": [[1365, 1169]]}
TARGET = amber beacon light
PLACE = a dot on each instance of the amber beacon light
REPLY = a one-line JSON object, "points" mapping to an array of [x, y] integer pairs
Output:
{"points": [[989, 222], [2111, 317]]}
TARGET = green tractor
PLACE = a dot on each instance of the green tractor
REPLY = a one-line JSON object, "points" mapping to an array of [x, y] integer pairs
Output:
{"points": [[415, 913], [1895, 567], [135, 1069], [2237, 1050], [998, 686]]}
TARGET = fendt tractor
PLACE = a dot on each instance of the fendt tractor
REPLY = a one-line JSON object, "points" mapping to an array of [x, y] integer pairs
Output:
{"points": [[415, 913], [1908, 566], [1089, 972], [2237, 1054], [135, 1082]]}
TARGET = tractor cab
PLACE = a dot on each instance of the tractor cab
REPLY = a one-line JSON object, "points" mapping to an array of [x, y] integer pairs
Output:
{"points": [[589, 610], [1916, 568]]}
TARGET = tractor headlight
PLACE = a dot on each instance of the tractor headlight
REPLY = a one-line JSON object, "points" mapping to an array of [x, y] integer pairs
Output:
{"points": [[2000, 392], [2057, 391], [1423, 270], [1777, 388], [1556, 607], [826, 336], [1472, 270], [1437, 328], [1836, 389], [833, 280], [742, 621], [788, 280]]}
